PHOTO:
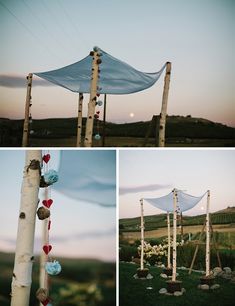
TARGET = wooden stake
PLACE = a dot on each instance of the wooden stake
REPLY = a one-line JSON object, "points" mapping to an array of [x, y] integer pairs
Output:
{"points": [[104, 121], [174, 234], [92, 102], [79, 127], [169, 241], [25, 139], [142, 234], [196, 250], [163, 113], [208, 235], [22, 273]]}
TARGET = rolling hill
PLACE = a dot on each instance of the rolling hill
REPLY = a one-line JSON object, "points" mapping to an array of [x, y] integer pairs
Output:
{"points": [[179, 130]]}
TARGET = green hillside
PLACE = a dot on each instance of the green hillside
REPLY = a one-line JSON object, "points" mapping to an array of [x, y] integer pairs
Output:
{"points": [[179, 130], [81, 280], [159, 221]]}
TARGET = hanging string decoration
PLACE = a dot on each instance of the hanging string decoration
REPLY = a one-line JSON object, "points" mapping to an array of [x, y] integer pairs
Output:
{"points": [[98, 103], [51, 267]]}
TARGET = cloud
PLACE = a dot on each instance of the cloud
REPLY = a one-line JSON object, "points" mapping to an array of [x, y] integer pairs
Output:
{"points": [[135, 189], [18, 81]]}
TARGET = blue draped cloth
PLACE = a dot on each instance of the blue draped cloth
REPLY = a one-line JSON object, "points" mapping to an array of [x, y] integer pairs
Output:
{"points": [[116, 77]]}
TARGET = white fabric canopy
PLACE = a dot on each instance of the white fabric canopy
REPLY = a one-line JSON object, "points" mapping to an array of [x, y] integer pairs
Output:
{"points": [[165, 203], [88, 175], [116, 77]]}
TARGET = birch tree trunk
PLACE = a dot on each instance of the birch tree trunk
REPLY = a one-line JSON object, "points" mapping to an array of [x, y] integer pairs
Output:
{"points": [[21, 281], [25, 138], [162, 122], [174, 234], [208, 235], [92, 101], [79, 128], [142, 235], [169, 241]]}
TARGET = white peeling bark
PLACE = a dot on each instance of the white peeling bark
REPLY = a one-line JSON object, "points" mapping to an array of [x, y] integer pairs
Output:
{"points": [[169, 241], [25, 139], [174, 234], [21, 281], [162, 123], [79, 127], [92, 101], [208, 235], [142, 235]]}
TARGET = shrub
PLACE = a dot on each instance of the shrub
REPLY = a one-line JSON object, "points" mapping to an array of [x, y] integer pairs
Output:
{"points": [[127, 252]]}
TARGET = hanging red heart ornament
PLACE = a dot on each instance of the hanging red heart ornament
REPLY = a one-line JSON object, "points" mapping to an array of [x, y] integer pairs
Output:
{"points": [[97, 112], [47, 203], [46, 158], [46, 302], [47, 248]]}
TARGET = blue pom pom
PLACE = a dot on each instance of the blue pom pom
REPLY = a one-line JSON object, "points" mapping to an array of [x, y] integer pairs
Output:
{"points": [[53, 268], [96, 49], [99, 103], [51, 177], [97, 137]]}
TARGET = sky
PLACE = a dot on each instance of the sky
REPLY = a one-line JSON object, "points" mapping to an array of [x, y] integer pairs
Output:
{"points": [[154, 173], [79, 228], [197, 36]]}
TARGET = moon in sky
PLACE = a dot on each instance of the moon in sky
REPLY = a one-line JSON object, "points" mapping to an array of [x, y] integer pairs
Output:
{"points": [[131, 115]]}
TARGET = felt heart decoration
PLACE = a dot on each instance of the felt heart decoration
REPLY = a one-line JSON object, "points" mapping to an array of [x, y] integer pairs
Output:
{"points": [[47, 203], [46, 158], [46, 302], [49, 225], [47, 248]]}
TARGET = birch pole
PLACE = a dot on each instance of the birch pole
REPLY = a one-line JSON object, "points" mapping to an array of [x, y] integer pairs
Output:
{"points": [[79, 127], [104, 120], [162, 123], [208, 235], [25, 138], [22, 273], [169, 241], [174, 234], [142, 234], [92, 102]]}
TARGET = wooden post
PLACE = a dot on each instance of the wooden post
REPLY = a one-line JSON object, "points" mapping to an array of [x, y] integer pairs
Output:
{"points": [[196, 250], [21, 280], [25, 139], [142, 235], [169, 241], [104, 121], [162, 123], [43, 279], [79, 127], [174, 234], [208, 235], [92, 101]]}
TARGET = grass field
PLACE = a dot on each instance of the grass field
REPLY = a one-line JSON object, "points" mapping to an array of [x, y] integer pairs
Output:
{"points": [[131, 142], [76, 282], [134, 292]]}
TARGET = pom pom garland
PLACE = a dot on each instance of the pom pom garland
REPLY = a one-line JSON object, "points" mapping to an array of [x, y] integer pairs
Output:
{"points": [[97, 137], [51, 177], [53, 268]]}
